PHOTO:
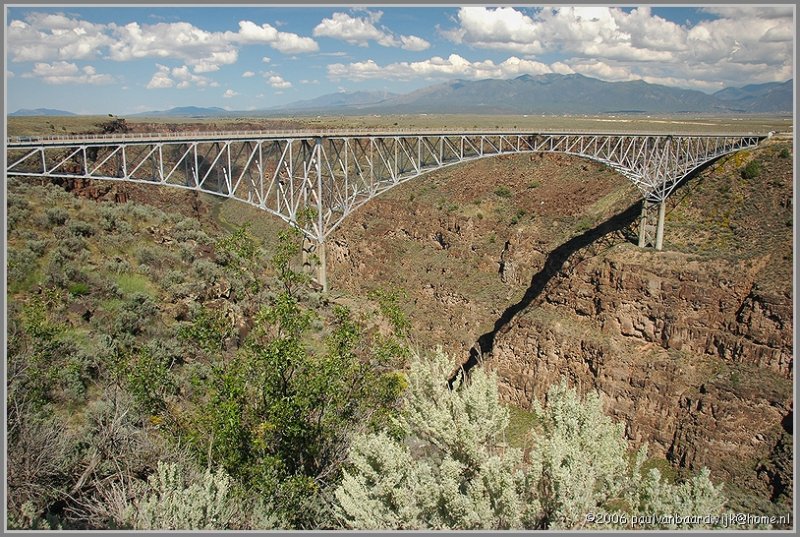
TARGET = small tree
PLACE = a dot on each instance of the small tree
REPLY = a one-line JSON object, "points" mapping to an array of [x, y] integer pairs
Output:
{"points": [[282, 413]]}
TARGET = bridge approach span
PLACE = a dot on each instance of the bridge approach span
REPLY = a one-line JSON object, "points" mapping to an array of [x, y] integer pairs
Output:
{"points": [[314, 180]]}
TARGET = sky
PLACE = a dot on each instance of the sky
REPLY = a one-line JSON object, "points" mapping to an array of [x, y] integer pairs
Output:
{"points": [[98, 60]]}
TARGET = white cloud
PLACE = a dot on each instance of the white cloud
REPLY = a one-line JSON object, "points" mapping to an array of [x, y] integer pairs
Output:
{"points": [[10, 74], [62, 72], [602, 70], [361, 30], [454, 66], [161, 79], [277, 81], [266, 59], [205, 51], [744, 45], [248, 74], [42, 37], [45, 37], [413, 43], [286, 42], [503, 28], [229, 93], [305, 81], [756, 12], [179, 77]]}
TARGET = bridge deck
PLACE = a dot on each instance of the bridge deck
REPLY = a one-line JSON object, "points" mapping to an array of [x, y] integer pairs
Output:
{"points": [[220, 136]]}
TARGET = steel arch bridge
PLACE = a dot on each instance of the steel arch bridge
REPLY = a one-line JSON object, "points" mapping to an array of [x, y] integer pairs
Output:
{"points": [[314, 180]]}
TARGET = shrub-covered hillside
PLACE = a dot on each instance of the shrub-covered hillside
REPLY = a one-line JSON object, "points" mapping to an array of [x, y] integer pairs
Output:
{"points": [[167, 371]]}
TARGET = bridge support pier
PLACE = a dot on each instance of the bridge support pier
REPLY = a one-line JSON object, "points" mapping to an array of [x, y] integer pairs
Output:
{"points": [[660, 226], [651, 226], [315, 262]]}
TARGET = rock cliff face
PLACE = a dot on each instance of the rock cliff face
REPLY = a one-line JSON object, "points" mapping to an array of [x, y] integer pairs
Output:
{"points": [[691, 347], [687, 354]]}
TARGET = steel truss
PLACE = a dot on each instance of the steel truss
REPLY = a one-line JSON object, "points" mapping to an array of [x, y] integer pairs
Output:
{"points": [[314, 181]]}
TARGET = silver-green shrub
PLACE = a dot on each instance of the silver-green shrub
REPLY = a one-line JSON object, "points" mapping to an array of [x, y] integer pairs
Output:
{"points": [[449, 467], [172, 504]]}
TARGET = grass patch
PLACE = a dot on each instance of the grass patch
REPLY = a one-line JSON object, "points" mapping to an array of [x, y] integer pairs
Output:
{"points": [[129, 284], [79, 289], [668, 473], [520, 424]]}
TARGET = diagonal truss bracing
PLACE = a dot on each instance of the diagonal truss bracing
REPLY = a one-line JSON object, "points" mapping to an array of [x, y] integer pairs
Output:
{"points": [[327, 176]]}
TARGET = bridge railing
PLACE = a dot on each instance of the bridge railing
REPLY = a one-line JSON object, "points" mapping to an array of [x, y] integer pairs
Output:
{"points": [[304, 133]]}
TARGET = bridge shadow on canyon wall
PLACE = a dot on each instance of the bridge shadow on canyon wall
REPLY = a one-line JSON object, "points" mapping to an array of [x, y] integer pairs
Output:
{"points": [[619, 223]]}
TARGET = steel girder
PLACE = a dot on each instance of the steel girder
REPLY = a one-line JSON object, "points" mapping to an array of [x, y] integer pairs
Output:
{"points": [[314, 181]]}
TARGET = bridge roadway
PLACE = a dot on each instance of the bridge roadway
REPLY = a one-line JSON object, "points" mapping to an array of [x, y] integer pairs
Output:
{"points": [[313, 179]]}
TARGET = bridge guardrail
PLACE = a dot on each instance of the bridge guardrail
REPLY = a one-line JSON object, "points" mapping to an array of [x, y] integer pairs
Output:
{"points": [[305, 133]]}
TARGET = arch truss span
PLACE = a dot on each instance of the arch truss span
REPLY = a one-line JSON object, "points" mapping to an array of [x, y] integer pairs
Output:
{"points": [[315, 180]]}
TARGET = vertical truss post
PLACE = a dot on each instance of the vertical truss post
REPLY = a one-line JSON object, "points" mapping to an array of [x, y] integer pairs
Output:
{"points": [[322, 270]]}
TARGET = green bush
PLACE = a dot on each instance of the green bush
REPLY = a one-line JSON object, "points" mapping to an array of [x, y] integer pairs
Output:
{"points": [[503, 192], [56, 216], [78, 289], [80, 228], [751, 170], [517, 217]]}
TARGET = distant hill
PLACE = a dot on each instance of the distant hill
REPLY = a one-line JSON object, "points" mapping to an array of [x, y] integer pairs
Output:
{"points": [[554, 94], [186, 111], [526, 94], [770, 97], [355, 99], [40, 112]]}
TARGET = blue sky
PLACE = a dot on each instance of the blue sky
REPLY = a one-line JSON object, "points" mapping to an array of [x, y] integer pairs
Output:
{"points": [[126, 60]]}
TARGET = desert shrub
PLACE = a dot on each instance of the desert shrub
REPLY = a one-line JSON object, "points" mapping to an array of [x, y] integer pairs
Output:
{"points": [[191, 229], [17, 210], [173, 502], [206, 271], [751, 170], [208, 330], [147, 256], [517, 216], [503, 192], [21, 263], [55, 195], [149, 379], [56, 216], [134, 315], [79, 228], [449, 467], [43, 458], [38, 247], [186, 253], [118, 265]]}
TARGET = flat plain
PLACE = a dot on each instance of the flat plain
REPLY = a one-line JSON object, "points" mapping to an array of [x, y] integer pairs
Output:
{"points": [[56, 125]]}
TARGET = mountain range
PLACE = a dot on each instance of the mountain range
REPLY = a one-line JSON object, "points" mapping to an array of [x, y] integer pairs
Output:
{"points": [[526, 94], [40, 112]]}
